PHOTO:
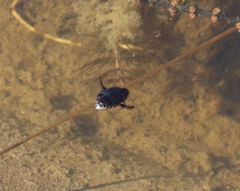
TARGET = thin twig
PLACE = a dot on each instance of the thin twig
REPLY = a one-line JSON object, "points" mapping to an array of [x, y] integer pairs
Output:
{"points": [[113, 183], [46, 129]]}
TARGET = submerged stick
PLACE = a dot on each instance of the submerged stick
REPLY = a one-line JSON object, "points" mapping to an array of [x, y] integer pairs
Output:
{"points": [[31, 28], [205, 44], [46, 129]]}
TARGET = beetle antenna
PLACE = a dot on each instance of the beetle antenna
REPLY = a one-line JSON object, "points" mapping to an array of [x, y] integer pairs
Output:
{"points": [[103, 87]]}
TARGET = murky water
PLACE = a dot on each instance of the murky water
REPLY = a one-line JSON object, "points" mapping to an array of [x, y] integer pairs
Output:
{"points": [[184, 131]]}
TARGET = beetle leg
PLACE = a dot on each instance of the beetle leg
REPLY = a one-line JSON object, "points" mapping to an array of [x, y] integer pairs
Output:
{"points": [[126, 106]]}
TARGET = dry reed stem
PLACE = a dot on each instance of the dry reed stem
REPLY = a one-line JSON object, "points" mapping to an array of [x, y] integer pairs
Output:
{"points": [[32, 29], [130, 47]]}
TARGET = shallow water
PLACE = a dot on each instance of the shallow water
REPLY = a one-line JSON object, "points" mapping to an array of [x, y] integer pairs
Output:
{"points": [[182, 135]]}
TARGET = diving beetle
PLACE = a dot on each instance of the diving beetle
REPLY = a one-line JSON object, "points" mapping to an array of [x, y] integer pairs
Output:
{"points": [[112, 97]]}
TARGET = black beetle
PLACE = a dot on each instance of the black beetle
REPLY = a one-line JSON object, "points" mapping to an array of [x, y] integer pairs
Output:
{"points": [[112, 97]]}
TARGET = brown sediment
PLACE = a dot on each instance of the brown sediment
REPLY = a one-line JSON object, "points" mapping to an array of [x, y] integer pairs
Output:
{"points": [[187, 138], [149, 75]]}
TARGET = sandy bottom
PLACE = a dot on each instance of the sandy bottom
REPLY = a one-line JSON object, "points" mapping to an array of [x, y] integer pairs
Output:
{"points": [[183, 134]]}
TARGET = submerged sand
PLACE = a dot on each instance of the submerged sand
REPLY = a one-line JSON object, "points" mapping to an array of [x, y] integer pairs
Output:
{"points": [[183, 134]]}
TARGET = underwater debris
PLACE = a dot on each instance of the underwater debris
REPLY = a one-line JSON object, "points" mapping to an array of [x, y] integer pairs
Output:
{"points": [[192, 12], [238, 26], [193, 9], [173, 12], [215, 15]]}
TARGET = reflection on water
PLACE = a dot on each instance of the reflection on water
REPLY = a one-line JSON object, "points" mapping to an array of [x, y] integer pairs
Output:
{"points": [[184, 131]]}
